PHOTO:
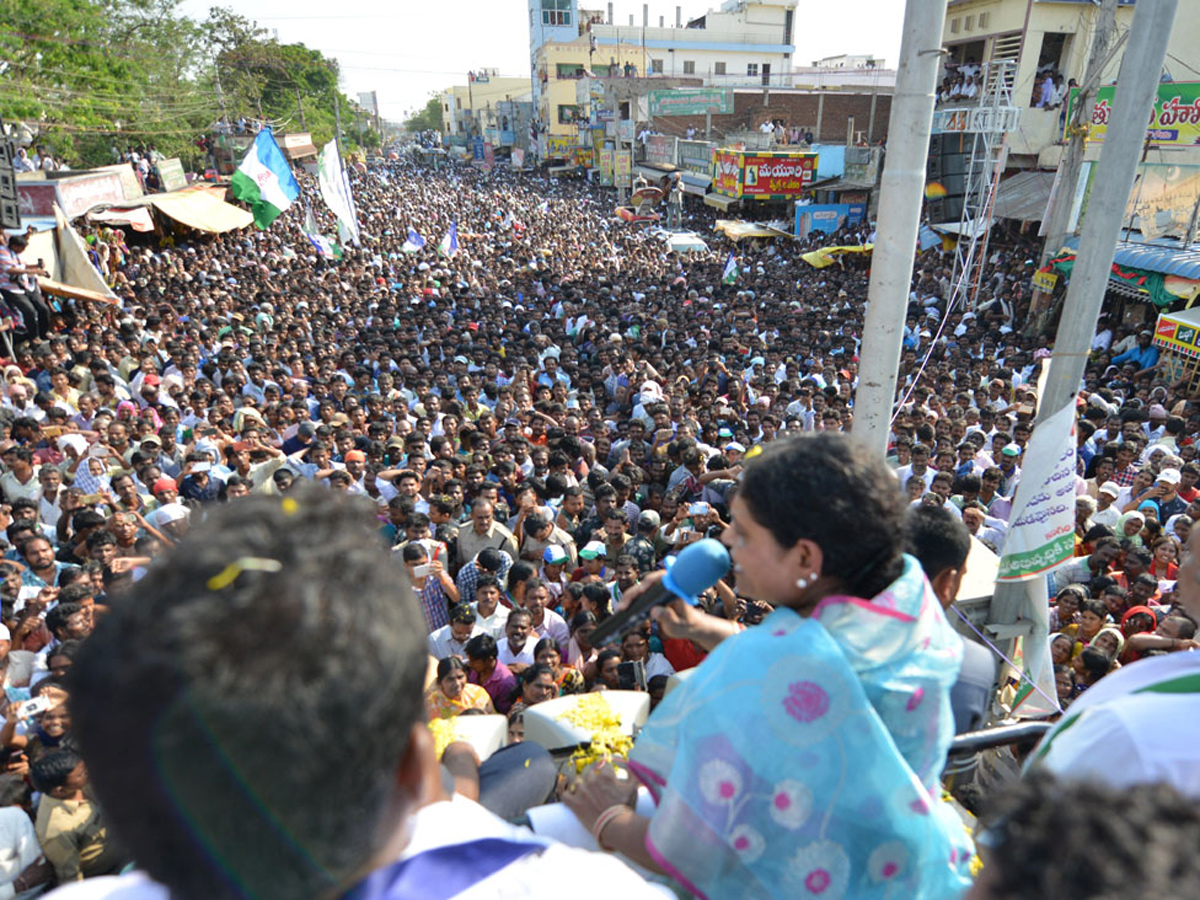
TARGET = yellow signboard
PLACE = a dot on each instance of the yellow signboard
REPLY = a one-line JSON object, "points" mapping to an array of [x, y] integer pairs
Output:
{"points": [[606, 166], [561, 145], [1044, 281], [623, 164]]}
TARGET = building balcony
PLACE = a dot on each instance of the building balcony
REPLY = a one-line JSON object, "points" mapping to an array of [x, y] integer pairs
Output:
{"points": [[1040, 129]]}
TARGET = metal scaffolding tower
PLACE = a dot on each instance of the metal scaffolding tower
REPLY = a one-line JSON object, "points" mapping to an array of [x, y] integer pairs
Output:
{"points": [[988, 123]]}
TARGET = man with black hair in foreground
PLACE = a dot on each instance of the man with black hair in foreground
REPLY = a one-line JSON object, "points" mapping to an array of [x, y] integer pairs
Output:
{"points": [[252, 719], [1049, 840]]}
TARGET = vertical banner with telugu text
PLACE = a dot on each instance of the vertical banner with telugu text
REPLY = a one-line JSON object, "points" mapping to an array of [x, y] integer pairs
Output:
{"points": [[1041, 531], [1041, 536]]}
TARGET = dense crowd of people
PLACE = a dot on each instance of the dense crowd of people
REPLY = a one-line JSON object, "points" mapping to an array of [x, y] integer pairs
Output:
{"points": [[539, 420]]}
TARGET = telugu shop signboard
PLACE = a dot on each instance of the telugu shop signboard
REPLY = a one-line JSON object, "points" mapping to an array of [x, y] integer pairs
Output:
{"points": [[1174, 121], [763, 175]]}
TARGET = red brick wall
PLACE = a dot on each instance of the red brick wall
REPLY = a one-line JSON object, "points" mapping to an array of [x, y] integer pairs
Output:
{"points": [[796, 109]]}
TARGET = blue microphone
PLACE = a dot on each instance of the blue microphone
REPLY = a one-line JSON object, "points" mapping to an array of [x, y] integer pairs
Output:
{"points": [[697, 568]]}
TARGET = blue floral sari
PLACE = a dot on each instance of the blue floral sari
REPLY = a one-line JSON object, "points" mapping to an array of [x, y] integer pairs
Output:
{"points": [[802, 758]]}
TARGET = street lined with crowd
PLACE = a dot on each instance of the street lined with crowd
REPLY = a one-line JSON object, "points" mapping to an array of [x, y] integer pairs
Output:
{"points": [[533, 425]]}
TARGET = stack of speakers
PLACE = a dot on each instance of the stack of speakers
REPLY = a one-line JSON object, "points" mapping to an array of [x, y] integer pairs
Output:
{"points": [[10, 208]]}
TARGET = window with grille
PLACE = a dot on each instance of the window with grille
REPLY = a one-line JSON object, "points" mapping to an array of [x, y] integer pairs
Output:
{"points": [[556, 12], [689, 67]]}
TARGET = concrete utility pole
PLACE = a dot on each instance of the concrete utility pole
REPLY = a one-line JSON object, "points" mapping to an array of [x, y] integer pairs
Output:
{"points": [[900, 199], [1137, 84], [1077, 128]]}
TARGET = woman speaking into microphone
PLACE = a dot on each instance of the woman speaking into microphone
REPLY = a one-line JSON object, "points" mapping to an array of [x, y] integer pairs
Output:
{"points": [[801, 758]]}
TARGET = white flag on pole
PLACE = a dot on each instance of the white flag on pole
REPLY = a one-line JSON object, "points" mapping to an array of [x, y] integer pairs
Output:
{"points": [[335, 189]]}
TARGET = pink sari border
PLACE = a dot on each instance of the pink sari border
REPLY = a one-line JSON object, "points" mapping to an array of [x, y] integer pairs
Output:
{"points": [[866, 605], [671, 870], [648, 777]]}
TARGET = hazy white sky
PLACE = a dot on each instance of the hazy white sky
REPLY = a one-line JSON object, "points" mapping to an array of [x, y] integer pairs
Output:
{"points": [[409, 48]]}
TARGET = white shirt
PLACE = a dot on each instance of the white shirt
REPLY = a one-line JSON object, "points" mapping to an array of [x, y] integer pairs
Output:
{"points": [[1121, 738], [19, 847], [657, 664], [13, 489], [524, 658], [1107, 516], [493, 624], [442, 643], [905, 472], [446, 824]]}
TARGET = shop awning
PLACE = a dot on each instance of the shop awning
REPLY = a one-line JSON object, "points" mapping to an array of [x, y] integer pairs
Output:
{"points": [[827, 256], [200, 209], [654, 171], [1024, 196], [843, 184], [1161, 271], [138, 218], [735, 230], [198, 206], [297, 145], [973, 227], [695, 183], [681, 241], [721, 202], [302, 152], [1167, 259]]}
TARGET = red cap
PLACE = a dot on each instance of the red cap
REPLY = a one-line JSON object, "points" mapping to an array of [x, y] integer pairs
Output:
{"points": [[164, 484]]}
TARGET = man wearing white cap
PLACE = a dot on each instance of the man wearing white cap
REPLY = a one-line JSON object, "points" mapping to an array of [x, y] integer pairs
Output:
{"points": [[1107, 512], [1164, 497]]}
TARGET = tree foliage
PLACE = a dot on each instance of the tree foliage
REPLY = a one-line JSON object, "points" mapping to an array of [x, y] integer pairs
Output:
{"points": [[91, 76], [429, 118]]}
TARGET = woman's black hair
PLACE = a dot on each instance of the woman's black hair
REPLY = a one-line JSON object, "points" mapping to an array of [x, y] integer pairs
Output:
{"points": [[598, 596], [604, 656], [1095, 661], [546, 643], [531, 674], [1079, 590], [448, 665], [837, 494], [581, 618], [1095, 607]]}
